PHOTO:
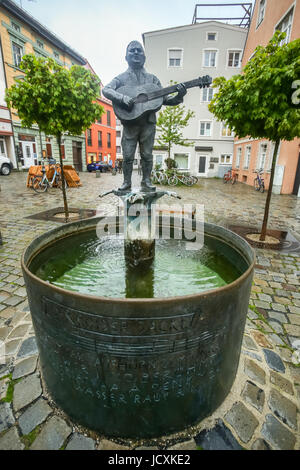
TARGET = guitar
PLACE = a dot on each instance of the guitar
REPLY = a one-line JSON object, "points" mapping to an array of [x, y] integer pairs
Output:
{"points": [[149, 98]]}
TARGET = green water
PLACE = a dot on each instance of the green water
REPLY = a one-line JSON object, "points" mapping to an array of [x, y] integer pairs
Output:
{"points": [[85, 264]]}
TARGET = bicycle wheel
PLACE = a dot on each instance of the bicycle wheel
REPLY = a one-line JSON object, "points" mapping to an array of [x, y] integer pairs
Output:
{"points": [[163, 179], [225, 179], [59, 183], [256, 184], [39, 185], [173, 181], [262, 187], [195, 179], [187, 180], [154, 178], [233, 179]]}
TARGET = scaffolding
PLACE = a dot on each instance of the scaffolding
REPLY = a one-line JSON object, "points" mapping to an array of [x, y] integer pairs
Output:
{"points": [[244, 10]]}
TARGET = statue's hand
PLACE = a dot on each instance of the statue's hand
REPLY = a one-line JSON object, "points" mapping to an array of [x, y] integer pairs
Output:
{"points": [[181, 90], [128, 102]]}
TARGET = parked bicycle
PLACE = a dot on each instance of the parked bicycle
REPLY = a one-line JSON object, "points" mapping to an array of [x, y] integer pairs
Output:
{"points": [[230, 176], [259, 182], [40, 183]]}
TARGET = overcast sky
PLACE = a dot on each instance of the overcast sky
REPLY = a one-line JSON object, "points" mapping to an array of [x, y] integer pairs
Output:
{"points": [[100, 30]]}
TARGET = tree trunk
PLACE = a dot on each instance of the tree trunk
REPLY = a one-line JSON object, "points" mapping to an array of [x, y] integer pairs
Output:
{"points": [[268, 200], [66, 208]]}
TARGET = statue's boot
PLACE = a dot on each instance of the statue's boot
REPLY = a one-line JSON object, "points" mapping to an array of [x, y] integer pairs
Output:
{"points": [[146, 182], [127, 172]]}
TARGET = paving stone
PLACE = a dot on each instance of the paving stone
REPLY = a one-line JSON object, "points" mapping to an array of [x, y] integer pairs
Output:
{"points": [[26, 391], [13, 301], [260, 444], [283, 408], [12, 346], [106, 444], [274, 361], [255, 372], [276, 340], [265, 297], [28, 347], [282, 300], [19, 332], [242, 420], [53, 435], [281, 317], [276, 327], [248, 343], [80, 442], [252, 315], [3, 387], [277, 435], [291, 308], [261, 339], [34, 415], [25, 367], [293, 330], [6, 417], [4, 332], [11, 440], [254, 395], [262, 304], [252, 354], [8, 312], [217, 438], [278, 307]]}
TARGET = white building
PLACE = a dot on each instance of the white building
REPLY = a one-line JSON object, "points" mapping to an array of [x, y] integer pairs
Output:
{"points": [[181, 54], [7, 147]]}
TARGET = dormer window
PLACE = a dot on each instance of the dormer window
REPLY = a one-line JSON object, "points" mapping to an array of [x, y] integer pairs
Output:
{"points": [[40, 44], [211, 36]]}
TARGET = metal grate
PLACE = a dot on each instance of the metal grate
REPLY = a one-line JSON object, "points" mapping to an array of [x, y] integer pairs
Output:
{"points": [[243, 12]]}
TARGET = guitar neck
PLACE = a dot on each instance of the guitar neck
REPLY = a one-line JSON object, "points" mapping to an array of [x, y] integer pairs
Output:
{"points": [[171, 89]]}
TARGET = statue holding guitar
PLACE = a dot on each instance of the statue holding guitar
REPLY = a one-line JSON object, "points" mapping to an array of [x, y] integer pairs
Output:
{"points": [[136, 96]]}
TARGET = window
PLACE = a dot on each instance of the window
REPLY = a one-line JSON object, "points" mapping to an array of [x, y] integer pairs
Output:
{"points": [[108, 118], [238, 157], [182, 160], [99, 120], [62, 149], [175, 57], [225, 159], [261, 11], [56, 54], [205, 128], [118, 149], [99, 138], [207, 94], [159, 159], [16, 27], [17, 54], [40, 44], [89, 137], [262, 156], [210, 58], [226, 131], [234, 58], [108, 140], [211, 36], [247, 157], [118, 134], [285, 26]]}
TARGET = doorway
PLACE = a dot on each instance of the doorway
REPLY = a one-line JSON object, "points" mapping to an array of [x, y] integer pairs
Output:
{"points": [[29, 154], [202, 165], [77, 155]]}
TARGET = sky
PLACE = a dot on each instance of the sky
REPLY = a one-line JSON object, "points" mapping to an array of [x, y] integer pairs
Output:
{"points": [[100, 30]]}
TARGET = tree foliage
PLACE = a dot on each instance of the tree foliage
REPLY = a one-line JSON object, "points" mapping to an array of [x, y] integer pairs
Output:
{"points": [[56, 99], [258, 102], [170, 124]]}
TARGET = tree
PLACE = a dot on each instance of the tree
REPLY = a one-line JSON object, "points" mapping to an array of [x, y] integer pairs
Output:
{"points": [[56, 99], [258, 102], [170, 123]]}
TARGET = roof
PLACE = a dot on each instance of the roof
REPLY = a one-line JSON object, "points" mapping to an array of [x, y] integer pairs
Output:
{"points": [[44, 32], [219, 24]]}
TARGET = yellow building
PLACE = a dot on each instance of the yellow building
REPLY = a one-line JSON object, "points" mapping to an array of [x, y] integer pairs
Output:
{"points": [[22, 34]]}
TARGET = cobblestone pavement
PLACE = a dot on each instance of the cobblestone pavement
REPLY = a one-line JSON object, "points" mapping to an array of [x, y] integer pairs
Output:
{"points": [[262, 409]]}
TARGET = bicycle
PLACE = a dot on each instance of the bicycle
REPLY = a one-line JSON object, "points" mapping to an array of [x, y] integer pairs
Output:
{"points": [[184, 179], [259, 182], [40, 184], [230, 176]]}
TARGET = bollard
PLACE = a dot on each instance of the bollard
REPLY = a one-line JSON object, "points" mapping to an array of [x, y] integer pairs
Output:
{"points": [[98, 173]]}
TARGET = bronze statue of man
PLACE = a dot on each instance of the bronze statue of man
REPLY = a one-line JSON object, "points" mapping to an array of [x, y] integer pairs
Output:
{"points": [[141, 130]]}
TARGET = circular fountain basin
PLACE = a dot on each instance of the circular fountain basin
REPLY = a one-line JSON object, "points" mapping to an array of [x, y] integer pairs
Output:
{"points": [[139, 367]]}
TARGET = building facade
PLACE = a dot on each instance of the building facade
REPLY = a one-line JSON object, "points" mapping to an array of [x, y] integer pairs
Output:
{"points": [[184, 53], [101, 136], [252, 154], [21, 34]]}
